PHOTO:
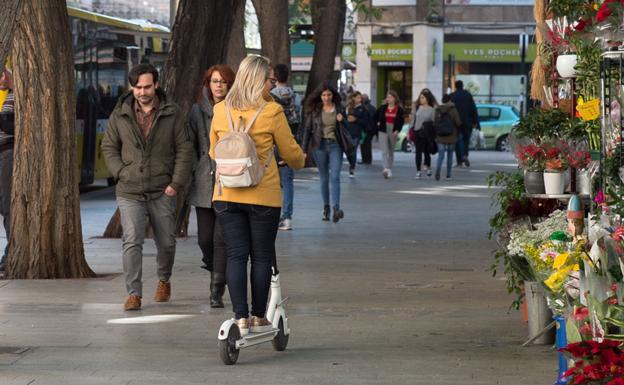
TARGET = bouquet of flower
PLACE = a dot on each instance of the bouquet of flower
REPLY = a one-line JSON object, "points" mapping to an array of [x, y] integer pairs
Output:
{"points": [[556, 264], [555, 156], [596, 363], [579, 159], [530, 157]]}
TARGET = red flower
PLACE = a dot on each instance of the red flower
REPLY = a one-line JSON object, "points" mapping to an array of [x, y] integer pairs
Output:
{"points": [[580, 313]]}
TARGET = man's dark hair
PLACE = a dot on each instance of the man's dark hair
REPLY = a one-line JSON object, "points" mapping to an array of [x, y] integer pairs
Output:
{"points": [[142, 69], [459, 85], [281, 73], [446, 98]]}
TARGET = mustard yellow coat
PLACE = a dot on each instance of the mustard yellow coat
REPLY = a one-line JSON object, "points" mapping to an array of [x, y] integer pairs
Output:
{"points": [[270, 129]]}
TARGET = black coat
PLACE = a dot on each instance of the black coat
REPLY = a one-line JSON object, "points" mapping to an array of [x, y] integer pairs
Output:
{"points": [[465, 105], [361, 123], [380, 118]]}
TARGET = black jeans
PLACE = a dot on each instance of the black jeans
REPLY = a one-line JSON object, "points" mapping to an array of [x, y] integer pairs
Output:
{"points": [[249, 231], [462, 146], [210, 239], [366, 149], [422, 147]]}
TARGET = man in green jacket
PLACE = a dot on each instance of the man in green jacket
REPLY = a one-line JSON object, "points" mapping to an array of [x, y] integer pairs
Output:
{"points": [[148, 151]]}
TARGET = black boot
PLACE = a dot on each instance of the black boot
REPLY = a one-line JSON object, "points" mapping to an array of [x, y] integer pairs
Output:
{"points": [[217, 289], [326, 212], [338, 214]]}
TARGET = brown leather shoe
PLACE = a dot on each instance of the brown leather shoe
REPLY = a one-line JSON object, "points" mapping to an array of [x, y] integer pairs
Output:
{"points": [[243, 326], [163, 291], [133, 302], [259, 325]]}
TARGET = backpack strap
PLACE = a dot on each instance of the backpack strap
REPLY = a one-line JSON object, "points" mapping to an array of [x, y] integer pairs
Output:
{"points": [[253, 119]]}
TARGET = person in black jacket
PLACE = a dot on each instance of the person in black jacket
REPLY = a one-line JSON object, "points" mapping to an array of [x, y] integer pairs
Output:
{"points": [[390, 120], [366, 149], [357, 123], [465, 105]]}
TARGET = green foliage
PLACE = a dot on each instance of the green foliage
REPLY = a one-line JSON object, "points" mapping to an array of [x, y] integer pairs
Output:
{"points": [[369, 12], [515, 269], [572, 9], [587, 68], [543, 124]]}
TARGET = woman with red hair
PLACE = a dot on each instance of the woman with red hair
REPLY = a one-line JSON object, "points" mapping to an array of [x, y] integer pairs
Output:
{"points": [[215, 85]]}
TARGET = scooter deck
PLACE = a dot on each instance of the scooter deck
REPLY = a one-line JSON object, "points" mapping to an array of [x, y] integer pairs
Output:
{"points": [[255, 338]]}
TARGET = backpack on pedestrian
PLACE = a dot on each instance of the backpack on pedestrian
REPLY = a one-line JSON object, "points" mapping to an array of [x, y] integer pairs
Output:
{"points": [[286, 98], [445, 125], [236, 156]]}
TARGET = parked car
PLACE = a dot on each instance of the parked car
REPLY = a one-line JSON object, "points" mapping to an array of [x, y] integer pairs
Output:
{"points": [[402, 144], [496, 122]]}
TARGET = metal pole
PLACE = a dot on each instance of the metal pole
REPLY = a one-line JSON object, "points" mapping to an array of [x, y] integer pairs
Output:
{"points": [[523, 79]]}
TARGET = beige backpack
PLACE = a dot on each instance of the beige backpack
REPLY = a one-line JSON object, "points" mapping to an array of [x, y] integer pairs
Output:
{"points": [[236, 156]]}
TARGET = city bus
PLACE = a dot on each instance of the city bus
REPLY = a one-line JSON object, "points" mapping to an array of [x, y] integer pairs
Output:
{"points": [[104, 49]]}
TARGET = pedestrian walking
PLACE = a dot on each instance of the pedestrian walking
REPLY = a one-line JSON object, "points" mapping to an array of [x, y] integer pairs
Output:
{"points": [[422, 120], [447, 122], [465, 105], [357, 124], [216, 83], [389, 123], [147, 150], [366, 149], [325, 138], [287, 98], [7, 132], [250, 215]]}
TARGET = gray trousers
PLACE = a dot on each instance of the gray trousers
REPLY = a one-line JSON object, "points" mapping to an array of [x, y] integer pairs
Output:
{"points": [[6, 178], [134, 217], [386, 142]]}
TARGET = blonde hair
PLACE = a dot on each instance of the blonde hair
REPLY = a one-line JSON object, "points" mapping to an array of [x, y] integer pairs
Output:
{"points": [[248, 89]]}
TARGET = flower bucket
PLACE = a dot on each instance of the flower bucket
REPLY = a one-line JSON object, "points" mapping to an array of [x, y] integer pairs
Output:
{"points": [[538, 313], [565, 65], [583, 182], [554, 182], [534, 182]]}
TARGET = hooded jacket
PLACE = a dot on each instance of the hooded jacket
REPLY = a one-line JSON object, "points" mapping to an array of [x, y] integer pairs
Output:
{"points": [[202, 186], [447, 108], [144, 167]]}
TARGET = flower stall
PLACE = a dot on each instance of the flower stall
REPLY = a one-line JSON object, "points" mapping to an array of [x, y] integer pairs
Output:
{"points": [[560, 223]]}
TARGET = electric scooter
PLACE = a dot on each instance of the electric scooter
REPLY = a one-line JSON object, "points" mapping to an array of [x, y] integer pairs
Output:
{"points": [[230, 339]]}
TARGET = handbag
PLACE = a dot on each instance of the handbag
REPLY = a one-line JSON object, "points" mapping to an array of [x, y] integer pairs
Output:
{"points": [[346, 141], [411, 134]]}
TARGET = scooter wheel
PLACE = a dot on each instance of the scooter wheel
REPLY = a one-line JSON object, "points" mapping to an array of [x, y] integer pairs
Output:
{"points": [[227, 347], [280, 341]]}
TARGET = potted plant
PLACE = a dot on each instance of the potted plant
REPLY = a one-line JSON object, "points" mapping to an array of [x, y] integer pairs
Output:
{"points": [[555, 163], [540, 125], [531, 160]]}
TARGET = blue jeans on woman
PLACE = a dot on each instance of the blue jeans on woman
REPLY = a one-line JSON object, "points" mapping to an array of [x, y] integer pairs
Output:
{"points": [[328, 158], [287, 175], [449, 149], [249, 231]]}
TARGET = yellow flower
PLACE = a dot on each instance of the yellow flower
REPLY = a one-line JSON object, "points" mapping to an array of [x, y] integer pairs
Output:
{"points": [[557, 279], [560, 260], [576, 267]]}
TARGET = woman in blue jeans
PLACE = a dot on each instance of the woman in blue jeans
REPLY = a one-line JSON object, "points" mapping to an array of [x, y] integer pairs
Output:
{"points": [[322, 138], [249, 216], [446, 122]]}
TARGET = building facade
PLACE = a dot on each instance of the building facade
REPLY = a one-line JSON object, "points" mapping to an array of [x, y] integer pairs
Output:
{"points": [[418, 44]]}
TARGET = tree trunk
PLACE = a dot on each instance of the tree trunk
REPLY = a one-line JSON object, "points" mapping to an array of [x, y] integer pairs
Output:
{"points": [[273, 25], [200, 33], [114, 229], [9, 12], [328, 19], [46, 233], [236, 50]]}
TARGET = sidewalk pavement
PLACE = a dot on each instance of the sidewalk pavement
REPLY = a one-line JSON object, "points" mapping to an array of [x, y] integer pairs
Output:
{"points": [[396, 293]]}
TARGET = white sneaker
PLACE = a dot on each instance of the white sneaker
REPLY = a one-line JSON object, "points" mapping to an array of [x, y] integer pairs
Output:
{"points": [[285, 224], [389, 173], [418, 175], [351, 174], [385, 173]]}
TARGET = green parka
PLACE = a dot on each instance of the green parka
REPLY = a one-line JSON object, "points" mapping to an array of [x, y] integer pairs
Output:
{"points": [[144, 167]]}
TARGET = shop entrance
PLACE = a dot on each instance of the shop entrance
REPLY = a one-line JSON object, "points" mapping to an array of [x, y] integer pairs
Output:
{"points": [[398, 79]]}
